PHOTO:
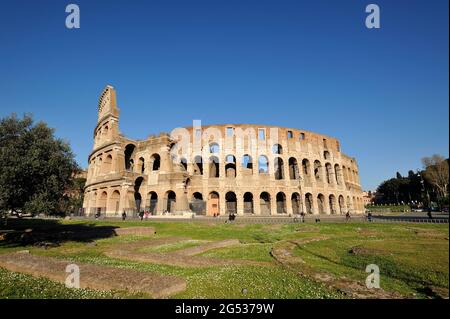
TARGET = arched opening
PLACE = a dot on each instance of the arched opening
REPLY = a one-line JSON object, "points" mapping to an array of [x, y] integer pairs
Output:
{"points": [[321, 203], [129, 152], [277, 149], [114, 201], [230, 166], [198, 205], [309, 203], [279, 168], [213, 204], [281, 203], [328, 170], [183, 163], [296, 203], [107, 164], [198, 165], [306, 170], [341, 204], [248, 203], [197, 196], [105, 132], [231, 203], [326, 155], [153, 203], [171, 200], [101, 202], [263, 165], [265, 203], [214, 167], [293, 168], [337, 174], [214, 148], [141, 166], [332, 204], [349, 204], [155, 161], [318, 171], [247, 165], [137, 194]]}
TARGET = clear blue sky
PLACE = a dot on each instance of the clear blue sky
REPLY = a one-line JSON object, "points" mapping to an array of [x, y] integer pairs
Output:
{"points": [[304, 64]]}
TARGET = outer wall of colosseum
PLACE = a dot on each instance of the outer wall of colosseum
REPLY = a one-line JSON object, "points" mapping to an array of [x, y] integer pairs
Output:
{"points": [[246, 169]]}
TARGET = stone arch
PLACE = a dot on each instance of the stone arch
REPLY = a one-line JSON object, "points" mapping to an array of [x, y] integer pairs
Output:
{"points": [[279, 168], [213, 204], [309, 203], [248, 203], [332, 204], [155, 162], [214, 148], [328, 171], [265, 206], [214, 167], [349, 203], [321, 204], [341, 204], [296, 203], [247, 164], [107, 164], [326, 155], [102, 201], [198, 165], [337, 174], [277, 149], [306, 168], [263, 164], [197, 196], [318, 171], [183, 164], [114, 202], [293, 168], [141, 165], [281, 203], [153, 202], [170, 200], [230, 166], [231, 203], [129, 154], [137, 193]]}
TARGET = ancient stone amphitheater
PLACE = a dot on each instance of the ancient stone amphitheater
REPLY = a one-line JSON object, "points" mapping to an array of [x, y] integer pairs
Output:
{"points": [[216, 170]]}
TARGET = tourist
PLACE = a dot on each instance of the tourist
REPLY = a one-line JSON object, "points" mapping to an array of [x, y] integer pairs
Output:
{"points": [[141, 215], [124, 215], [430, 216], [146, 215], [302, 215], [369, 216], [347, 216]]}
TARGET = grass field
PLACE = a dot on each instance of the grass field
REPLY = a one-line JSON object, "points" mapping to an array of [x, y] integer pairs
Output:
{"points": [[413, 259]]}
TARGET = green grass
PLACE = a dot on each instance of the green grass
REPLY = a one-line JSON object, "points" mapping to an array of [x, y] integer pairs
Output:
{"points": [[411, 258]]}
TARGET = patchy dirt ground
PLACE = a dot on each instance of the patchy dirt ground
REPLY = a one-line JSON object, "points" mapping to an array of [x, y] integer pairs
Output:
{"points": [[181, 258], [95, 276], [283, 254]]}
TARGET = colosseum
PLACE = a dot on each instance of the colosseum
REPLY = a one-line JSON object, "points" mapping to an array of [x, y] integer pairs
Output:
{"points": [[249, 170]]}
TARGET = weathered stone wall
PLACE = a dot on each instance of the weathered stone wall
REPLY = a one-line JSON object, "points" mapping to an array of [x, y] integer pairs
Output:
{"points": [[207, 169]]}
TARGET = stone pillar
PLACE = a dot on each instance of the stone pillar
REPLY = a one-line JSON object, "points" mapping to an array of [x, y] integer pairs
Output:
{"points": [[240, 204]]}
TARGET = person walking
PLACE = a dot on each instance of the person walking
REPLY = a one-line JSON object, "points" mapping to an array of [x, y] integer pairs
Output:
{"points": [[141, 215], [124, 215], [430, 216], [347, 216]]}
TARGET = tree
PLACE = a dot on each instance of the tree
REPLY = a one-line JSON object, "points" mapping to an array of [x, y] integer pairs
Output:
{"points": [[436, 173], [36, 167]]}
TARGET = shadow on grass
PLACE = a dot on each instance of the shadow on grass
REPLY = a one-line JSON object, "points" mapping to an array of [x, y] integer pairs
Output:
{"points": [[47, 232]]}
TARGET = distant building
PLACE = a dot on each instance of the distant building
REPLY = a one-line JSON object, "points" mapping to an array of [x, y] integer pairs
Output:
{"points": [[368, 197]]}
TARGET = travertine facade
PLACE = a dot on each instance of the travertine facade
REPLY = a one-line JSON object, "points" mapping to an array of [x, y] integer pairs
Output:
{"points": [[246, 169]]}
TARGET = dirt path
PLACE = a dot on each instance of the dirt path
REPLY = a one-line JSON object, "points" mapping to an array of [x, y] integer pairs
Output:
{"points": [[181, 258], [95, 276], [283, 254]]}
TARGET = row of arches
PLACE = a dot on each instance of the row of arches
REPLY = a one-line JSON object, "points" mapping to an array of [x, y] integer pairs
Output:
{"points": [[247, 203]]}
